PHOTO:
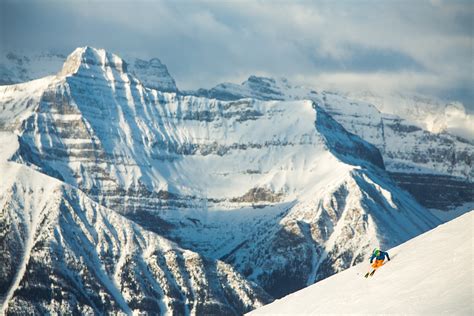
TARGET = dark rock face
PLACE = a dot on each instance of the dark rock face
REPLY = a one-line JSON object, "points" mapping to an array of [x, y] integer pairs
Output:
{"points": [[348, 146], [436, 191], [259, 195]]}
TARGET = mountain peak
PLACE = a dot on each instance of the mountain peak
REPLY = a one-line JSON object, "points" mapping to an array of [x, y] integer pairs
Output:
{"points": [[87, 60], [92, 62], [153, 74], [259, 79]]}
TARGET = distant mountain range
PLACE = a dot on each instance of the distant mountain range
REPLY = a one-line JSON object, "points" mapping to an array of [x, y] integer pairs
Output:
{"points": [[135, 196], [432, 164], [437, 168]]}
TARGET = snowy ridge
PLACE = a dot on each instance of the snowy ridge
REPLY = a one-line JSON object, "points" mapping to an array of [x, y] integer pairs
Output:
{"points": [[152, 73], [277, 189], [401, 142], [431, 114], [20, 100], [430, 274], [286, 246], [22, 67], [420, 157], [236, 181], [80, 257]]}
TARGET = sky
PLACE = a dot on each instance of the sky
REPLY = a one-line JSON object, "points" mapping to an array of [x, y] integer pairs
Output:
{"points": [[421, 47]]}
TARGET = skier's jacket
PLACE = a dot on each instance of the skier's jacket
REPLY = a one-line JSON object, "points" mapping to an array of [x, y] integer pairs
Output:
{"points": [[381, 256]]}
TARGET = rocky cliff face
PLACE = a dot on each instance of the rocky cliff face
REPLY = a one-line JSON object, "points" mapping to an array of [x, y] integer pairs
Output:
{"points": [[278, 189], [288, 245], [21, 67], [410, 153], [63, 253], [153, 74]]}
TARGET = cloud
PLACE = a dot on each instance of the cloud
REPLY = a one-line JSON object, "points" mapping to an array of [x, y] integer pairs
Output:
{"points": [[363, 59], [422, 46]]}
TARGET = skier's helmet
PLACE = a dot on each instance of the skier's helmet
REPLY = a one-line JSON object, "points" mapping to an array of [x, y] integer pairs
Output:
{"points": [[376, 251]]}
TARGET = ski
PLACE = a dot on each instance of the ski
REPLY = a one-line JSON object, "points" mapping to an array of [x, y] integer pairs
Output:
{"points": [[369, 274]]}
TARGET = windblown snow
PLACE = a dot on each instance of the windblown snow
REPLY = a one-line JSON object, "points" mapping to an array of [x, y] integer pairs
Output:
{"points": [[432, 274]]}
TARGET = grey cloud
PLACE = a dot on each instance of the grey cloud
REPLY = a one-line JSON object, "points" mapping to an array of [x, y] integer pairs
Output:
{"points": [[206, 42], [363, 59]]}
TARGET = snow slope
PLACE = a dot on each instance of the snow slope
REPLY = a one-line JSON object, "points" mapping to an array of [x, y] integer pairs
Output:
{"points": [[403, 144], [431, 274], [278, 189], [432, 164], [63, 253]]}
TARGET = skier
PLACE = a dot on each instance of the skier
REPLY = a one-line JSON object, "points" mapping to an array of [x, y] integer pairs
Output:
{"points": [[379, 257]]}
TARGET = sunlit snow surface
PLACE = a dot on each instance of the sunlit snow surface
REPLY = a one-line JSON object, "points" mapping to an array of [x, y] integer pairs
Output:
{"points": [[403, 139], [188, 168], [431, 274], [84, 258]]}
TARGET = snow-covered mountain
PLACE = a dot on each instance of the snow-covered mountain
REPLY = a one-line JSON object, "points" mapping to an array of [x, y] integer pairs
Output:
{"points": [[434, 115], [420, 145], [64, 253], [437, 168], [261, 88], [428, 275], [152, 73], [278, 189], [427, 113], [18, 67]]}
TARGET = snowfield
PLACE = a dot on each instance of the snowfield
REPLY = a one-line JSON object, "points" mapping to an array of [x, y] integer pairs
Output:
{"points": [[431, 274]]}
